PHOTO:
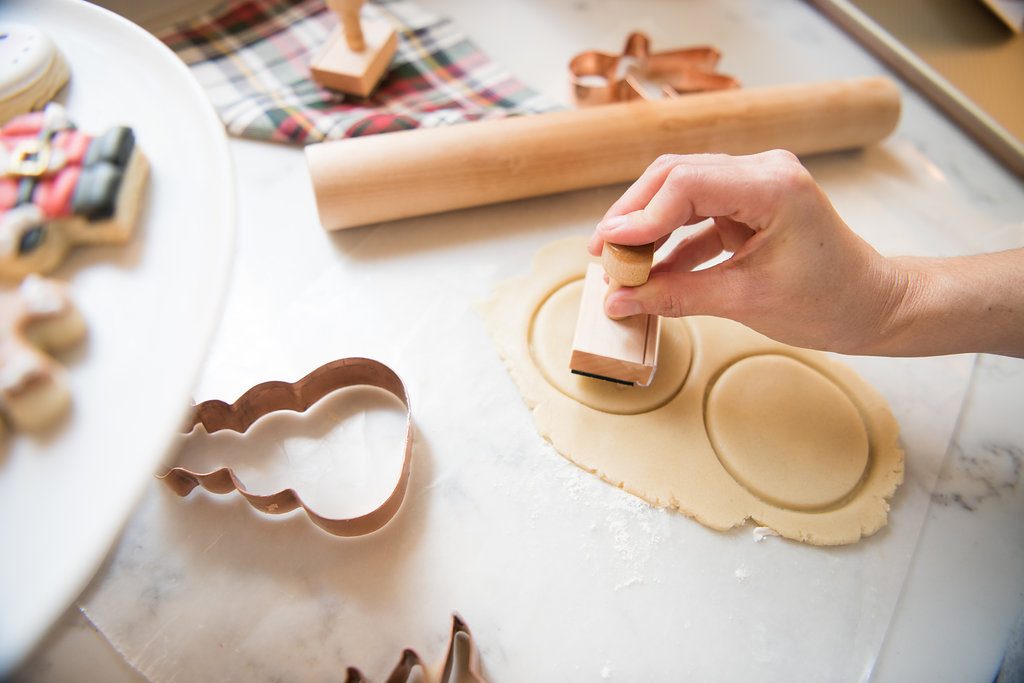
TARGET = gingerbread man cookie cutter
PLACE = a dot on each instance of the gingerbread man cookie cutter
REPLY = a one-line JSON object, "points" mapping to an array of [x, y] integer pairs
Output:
{"points": [[601, 78], [274, 396], [36, 318]]}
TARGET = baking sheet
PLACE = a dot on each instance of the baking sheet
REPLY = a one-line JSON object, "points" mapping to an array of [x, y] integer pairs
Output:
{"points": [[559, 575], [958, 55], [966, 43]]}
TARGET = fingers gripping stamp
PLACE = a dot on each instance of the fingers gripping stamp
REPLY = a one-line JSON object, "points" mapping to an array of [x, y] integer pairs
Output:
{"points": [[60, 187], [35, 319], [623, 351], [270, 397]]}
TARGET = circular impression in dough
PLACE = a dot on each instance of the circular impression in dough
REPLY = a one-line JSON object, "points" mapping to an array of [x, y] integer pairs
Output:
{"points": [[551, 333], [787, 433]]}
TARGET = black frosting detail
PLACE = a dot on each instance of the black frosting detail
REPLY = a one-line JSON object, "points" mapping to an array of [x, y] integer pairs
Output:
{"points": [[26, 187], [95, 196], [115, 147], [31, 239]]}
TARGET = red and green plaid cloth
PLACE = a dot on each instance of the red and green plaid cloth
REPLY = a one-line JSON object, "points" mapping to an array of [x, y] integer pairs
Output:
{"points": [[252, 57]]}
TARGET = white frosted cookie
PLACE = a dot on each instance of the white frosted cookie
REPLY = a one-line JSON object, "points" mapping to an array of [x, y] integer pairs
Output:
{"points": [[32, 70], [36, 318]]}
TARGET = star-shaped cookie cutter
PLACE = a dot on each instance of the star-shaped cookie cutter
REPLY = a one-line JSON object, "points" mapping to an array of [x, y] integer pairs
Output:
{"points": [[270, 397], [448, 671], [600, 78]]}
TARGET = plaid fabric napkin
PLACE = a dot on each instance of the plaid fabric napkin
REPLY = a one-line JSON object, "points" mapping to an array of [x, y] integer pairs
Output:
{"points": [[252, 58]]}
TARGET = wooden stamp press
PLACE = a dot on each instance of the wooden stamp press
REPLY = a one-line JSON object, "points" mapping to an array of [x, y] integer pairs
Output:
{"points": [[622, 351], [356, 63]]}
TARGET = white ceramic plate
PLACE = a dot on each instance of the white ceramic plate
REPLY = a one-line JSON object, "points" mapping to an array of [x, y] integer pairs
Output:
{"points": [[151, 308]]}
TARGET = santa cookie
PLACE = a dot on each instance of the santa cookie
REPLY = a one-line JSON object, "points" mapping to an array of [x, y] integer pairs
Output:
{"points": [[36, 318], [32, 70], [61, 187]]}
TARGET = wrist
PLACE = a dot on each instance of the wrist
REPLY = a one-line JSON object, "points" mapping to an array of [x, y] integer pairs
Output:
{"points": [[906, 286]]}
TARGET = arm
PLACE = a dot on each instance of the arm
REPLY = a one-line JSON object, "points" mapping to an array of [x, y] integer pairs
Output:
{"points": [[958, 305], [797, 273]]}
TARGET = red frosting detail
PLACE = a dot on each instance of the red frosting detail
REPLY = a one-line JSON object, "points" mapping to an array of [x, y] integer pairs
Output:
{"points": [[73, 143], [52, 193], [24, 125], [53, 196]]}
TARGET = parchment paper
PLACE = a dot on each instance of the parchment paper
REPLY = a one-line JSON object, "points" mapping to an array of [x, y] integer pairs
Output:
{"points": [[560, 576]]}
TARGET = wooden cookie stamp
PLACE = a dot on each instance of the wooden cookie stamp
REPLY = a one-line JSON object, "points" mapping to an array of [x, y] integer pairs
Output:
{"points": [[623, 351], [35, 319], [356, 56]]}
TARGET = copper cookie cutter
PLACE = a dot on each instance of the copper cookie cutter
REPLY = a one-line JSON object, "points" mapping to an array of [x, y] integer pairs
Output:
{"points": [[411, 660], [270, 397], [600, 78]]}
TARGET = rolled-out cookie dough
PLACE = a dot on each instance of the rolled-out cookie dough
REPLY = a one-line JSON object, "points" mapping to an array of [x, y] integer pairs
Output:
{"points": [[735, 427], [767, 405]]}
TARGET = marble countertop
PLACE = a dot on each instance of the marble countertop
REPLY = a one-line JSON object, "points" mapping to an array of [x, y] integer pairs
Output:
{"points": [[962, 593]]}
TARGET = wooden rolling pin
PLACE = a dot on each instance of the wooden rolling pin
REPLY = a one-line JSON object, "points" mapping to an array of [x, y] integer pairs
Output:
{"points": [[429, 170]]}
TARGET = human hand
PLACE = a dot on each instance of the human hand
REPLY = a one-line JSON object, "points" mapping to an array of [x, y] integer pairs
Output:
{"points": [[797, 272]]}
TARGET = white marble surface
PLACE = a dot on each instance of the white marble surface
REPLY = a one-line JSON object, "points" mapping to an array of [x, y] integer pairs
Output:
{"points": [[962, 592]]}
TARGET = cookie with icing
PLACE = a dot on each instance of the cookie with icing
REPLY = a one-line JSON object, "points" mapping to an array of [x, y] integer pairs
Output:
{"points": [[36, 319], [32, 70], [61, 187]]}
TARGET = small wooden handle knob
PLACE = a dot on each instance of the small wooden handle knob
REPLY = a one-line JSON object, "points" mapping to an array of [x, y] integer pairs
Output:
{"points": [[353, 32], [629, 266], [348, 12]]}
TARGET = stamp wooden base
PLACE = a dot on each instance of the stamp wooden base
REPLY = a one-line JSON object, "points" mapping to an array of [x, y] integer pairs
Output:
{"points": [[357, 73], [624, 351]]}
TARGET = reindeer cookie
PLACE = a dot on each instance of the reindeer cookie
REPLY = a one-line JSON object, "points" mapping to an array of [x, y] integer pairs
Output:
{"points": [[60, 187], [36, 318]]}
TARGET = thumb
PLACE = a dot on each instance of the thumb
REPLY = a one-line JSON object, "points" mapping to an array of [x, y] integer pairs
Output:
{"points": [[673, 295]]}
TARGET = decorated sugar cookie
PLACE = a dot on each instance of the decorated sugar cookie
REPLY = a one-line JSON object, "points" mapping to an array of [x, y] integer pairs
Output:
{"points": [[32, 70], [61, 187], [36, 318]]}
